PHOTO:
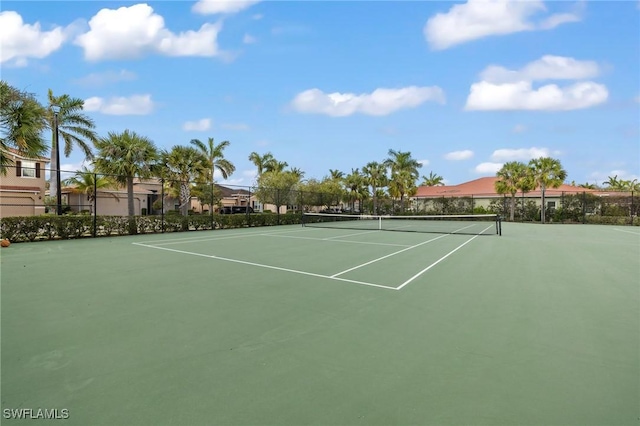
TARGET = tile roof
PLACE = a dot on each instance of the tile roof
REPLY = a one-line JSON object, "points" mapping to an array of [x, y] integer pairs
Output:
{"points": [[485, 186], [22, 155]]}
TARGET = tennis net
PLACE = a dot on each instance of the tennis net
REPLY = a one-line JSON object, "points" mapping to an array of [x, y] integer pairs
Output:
{"points": [[472, 224]]}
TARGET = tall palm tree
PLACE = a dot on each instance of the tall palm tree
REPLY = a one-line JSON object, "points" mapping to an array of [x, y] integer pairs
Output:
{"points": [[22, 121], [356, 187], [74, 127], [404, 173], [126, 156], [511, 176], [612, 182], [432, 180], [88, 182], [297, 172], [184, 164], [215, 158], [262, 162], [375, 176], [277, 166], [547, 172], [335, 174]]}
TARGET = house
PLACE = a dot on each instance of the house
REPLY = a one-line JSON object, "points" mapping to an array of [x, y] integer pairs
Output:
{"points": [[22, 188], [481, 192]]}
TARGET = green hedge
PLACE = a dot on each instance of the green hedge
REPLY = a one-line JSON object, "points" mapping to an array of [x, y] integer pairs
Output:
{"points": [[48, 227]]}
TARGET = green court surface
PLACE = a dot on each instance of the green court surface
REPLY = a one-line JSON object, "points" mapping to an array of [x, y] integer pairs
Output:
{"points": [[293, 325]]}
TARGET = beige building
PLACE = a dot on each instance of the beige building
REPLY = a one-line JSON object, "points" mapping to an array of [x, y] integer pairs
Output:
{"points": [[22, 188]]}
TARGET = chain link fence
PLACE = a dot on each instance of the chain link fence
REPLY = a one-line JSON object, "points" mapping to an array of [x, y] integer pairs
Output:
{"points": [[96, 204]]}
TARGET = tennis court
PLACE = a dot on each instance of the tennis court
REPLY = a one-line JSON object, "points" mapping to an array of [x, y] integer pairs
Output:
{"points": [[347, 324]]}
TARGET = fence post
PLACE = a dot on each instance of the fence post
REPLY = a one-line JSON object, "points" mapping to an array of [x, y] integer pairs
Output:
{"points": [[584, 207], [632, 209], [95, 205], [162, 204], [211, 206]]}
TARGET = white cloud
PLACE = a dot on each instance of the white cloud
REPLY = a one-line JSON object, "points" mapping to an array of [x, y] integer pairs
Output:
{"points": [[131, 32], [482, 18], [257, 16], [548, 67], [249, 39], [487, 96], [213, 7], [197, 125], [235, 126], [488, 168], [504, 89], [519, 154], [19, 41], [132, 105], [459, 155], [423, 162], [379, 102], [107, 77]]}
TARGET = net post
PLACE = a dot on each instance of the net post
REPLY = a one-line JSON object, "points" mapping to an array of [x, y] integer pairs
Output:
{"points": [[379, 223], [499, 224]]}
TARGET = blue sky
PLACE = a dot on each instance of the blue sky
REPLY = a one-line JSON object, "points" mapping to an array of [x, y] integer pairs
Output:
{"points": [[463, 86]]}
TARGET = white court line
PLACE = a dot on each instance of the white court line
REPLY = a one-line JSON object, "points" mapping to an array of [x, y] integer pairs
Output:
{"points": [[389, 255], [350, 235], [195, 239], [625, 231], [335, 241], [438, 261], [401, 251], [267, 266]]}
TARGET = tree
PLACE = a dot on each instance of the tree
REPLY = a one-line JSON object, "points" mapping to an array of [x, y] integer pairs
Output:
{"points": [[184, 164], [277, 166], [336, 174], [215, 158], [547, 173], [404, 172], [432, 180], [356, 188], [375, 175], [22, 121], [612, 182], [275, 188], [126, 156], [74, 128], [297, 172], [262, 162], [510, 179], [88, 182]]}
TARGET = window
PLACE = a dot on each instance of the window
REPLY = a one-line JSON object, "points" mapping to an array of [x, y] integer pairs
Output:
{"points": [[28, 169]]}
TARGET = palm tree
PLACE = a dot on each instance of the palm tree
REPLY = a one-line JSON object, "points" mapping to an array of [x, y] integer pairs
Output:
{"points": [[612, 182], [355, 184], [547, 173], [511, 177], [404, 172], [22, 121], [215, 158], [262, 162], [88, 182], [432, 180], [184, 164], [336, 174], [126, 156], [376, 176], [277, 166], [74, 128], [297, 172]]}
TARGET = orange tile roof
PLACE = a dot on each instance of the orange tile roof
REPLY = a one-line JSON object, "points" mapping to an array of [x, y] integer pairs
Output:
{"points": [[22, 155], [485, 186]]}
